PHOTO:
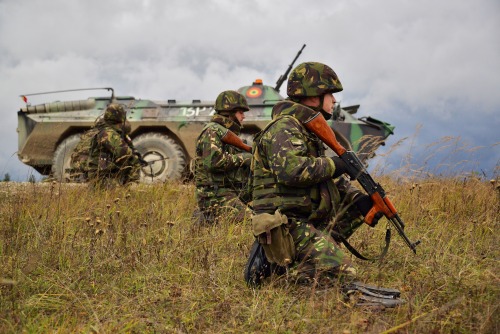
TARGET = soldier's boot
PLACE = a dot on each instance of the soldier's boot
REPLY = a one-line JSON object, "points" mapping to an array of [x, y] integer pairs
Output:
{"points": [[257, 267], [372, 296]]}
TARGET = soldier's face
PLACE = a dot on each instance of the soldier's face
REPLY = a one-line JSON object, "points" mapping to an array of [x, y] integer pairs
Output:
{"points": [[328, 103], [240, 115]]}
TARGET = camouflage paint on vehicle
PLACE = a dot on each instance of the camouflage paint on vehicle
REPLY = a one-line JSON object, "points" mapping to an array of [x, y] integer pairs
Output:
{"points": [[43, 128], [364, 134], [260, 96], [165, 132]]}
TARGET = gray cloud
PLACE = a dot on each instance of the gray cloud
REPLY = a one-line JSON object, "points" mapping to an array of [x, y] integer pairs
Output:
{"points": [[407, 63]]}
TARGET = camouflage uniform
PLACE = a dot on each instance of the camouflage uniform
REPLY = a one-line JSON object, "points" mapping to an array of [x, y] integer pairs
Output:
{"points": [[291, 173], [112, 160], [81, 153], [222, 170]]}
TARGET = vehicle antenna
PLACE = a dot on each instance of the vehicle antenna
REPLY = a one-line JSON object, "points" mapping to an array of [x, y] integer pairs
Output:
{"points": [[70, 90]]}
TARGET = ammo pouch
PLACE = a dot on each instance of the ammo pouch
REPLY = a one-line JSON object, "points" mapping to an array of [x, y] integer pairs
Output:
{"points": [[274, 236]]}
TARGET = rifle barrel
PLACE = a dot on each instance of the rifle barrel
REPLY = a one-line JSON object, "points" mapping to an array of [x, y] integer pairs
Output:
{"points": [[399, 225], [356, 170]]}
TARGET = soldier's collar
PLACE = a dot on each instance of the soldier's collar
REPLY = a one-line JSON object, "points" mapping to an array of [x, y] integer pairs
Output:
{"points": [[227, 123], [290, 108]]}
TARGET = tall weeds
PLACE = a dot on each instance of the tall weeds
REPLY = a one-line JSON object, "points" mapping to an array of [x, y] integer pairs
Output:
{"points": [[133, 260]]}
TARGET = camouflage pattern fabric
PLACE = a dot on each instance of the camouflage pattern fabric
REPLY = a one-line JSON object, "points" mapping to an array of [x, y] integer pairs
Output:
{"points": [[291, 173], [115, 114], [319, 255], [312, 79], [221, 173], [112, 161], [230, 100], [81, 153]]}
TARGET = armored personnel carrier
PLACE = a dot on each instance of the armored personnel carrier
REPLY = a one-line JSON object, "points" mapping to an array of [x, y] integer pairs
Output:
{"points": [[165, 132]]}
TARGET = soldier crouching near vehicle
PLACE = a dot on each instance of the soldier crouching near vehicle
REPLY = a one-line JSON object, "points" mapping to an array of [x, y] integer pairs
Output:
{"points": [[112, 160], [299, 195], [222, 170], [80, 156]]}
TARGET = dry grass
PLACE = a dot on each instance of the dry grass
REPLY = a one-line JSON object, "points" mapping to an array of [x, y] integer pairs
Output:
{"points": [[132, 261]]}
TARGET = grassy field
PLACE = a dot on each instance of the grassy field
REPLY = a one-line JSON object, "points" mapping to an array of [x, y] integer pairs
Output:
{"points": [[132, 261]]}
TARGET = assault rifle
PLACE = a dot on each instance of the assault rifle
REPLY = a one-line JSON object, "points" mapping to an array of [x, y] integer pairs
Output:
{"points": [[357, 171], [151, 162], [283, 77], [138, 154], [144, 163], [148, 163], [232, 139]]}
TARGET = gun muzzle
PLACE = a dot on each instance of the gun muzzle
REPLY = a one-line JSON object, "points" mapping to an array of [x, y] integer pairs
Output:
{"points": [[60, 106]]}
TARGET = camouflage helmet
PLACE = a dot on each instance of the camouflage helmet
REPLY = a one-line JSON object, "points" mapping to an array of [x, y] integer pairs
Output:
{"points": [[312, 79], [115, 113], [231, 100]]}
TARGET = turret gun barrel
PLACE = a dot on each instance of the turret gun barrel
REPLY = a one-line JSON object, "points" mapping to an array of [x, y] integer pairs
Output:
{"points": [[285, 75]]}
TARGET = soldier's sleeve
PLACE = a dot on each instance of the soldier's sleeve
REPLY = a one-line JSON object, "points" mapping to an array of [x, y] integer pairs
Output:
{"points": [[348, 193], [213, 157], [289, 157], [246, 158], [346, 189], [117, 147]]}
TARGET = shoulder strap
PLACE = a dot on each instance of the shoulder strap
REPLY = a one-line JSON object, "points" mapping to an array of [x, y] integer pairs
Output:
{"points": [[257, 137], [354, 251]]}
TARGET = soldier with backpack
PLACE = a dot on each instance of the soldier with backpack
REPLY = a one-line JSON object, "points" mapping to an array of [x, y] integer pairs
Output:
{"points": [[300, 196], [112, 161]]}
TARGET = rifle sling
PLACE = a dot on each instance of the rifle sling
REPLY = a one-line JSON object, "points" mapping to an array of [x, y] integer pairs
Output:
{"points": [[357, 254]]}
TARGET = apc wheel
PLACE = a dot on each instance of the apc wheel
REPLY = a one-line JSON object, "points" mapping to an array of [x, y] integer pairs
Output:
{"points": [[62, 158], [167, 157]]}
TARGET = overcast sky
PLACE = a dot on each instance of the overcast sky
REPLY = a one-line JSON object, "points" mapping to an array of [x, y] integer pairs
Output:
{"points": [[430, 68]]}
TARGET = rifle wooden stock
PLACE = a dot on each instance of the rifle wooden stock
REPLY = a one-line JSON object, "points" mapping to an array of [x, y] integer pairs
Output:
{"points": [[232, 139], [356, 170], [320, 127]]}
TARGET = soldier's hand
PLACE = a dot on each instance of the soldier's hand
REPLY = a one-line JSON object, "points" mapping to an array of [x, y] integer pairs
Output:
{"points": [[247, 158], [364, 203], [137, 154], [139, 157], [340, 167], [143, 162]]}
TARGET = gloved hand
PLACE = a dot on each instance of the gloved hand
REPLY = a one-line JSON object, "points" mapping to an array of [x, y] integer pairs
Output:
{"points": [[247, 159], [340, 167], [141, 160], [364, 203]]}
